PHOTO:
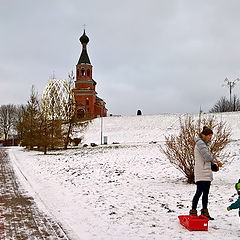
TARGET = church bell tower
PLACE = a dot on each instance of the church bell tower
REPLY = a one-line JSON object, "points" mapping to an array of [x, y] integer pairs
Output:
{"points": [[88, 104]]}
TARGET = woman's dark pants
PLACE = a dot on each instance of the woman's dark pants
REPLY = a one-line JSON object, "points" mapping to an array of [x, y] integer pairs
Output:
{"points": [[202, 189]]}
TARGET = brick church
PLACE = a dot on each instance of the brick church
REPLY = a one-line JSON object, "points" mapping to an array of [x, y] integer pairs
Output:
{"points": [[87, 101]]}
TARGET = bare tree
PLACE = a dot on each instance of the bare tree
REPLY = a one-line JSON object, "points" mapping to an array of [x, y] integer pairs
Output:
{"points": [[179, 149], [235, 104], [224, 105], [19, 126], [7, 119], [70, 110], [55, 120], [49, 123], [44, 128], [71, 121]]}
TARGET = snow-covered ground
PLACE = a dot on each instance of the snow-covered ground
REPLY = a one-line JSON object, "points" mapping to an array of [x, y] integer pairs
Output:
{"points": [[128, 190]]}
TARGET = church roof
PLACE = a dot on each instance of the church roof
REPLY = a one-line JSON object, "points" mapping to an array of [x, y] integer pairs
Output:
{"points": [[84, 59]]}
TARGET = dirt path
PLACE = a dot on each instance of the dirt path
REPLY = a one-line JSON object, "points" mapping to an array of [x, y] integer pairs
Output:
{"points": [[20, 218]]}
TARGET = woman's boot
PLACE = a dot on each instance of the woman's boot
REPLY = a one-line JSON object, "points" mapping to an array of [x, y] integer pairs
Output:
{"points": [[205, 213], [193, 212]]}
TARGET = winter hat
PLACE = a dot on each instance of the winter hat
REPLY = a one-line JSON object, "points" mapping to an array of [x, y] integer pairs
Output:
{"points": [[206, 131]]}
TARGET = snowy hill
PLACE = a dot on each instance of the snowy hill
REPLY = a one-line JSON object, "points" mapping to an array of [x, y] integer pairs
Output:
{"points": [[129, 190], [139, 129]]}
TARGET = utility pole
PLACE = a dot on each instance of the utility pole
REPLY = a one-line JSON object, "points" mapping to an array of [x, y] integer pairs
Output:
{"points": [[230, 85]]}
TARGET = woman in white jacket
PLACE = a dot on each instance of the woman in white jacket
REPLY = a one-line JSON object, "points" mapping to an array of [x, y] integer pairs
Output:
{"points": [[202, 171]]}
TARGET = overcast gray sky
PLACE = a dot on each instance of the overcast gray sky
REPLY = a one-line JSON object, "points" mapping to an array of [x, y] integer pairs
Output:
{"points": [[160, 56]]}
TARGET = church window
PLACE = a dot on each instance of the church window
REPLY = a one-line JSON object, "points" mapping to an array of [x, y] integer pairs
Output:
{"points": [[87, 101], [83, 71], [88, 72]]}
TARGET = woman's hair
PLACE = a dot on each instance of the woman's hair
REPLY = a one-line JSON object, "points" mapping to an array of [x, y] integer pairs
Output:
{"points": [[206, 131]]}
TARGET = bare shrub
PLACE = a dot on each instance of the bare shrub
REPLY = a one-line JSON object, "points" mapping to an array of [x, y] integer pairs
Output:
{"points": [[224, 105], [179, 149]]}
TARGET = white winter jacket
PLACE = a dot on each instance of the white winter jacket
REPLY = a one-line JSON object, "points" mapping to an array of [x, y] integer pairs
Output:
{"points": [[203, 159]]}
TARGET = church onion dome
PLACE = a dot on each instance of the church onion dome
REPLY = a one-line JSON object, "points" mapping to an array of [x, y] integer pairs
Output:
{"points": [[84, 38]]}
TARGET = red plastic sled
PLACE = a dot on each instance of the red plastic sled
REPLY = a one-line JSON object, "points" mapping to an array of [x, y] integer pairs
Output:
{"points": [[194, 223]]}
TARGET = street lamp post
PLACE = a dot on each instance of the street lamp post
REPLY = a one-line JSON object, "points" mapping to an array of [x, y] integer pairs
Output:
{"points": [[101, 128], [231, 85]]}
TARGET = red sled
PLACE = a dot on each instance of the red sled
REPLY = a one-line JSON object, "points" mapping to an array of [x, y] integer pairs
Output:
{"points": [[194, 223]]}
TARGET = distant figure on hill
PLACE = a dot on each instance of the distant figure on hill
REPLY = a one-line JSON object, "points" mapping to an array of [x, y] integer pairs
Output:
{"points": [[139, 112]]}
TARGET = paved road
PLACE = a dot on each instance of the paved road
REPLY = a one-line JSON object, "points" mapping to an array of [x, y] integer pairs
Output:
{"points": [[20, 218]]}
